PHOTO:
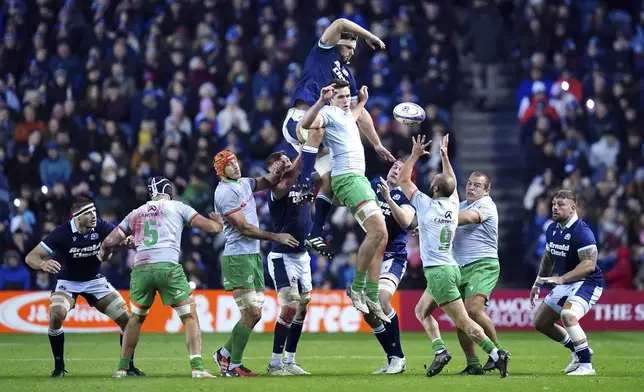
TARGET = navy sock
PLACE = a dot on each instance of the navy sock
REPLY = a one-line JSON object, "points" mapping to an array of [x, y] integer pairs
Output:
{"points": [[322, 208], [383, 338], [279, 337], [393, 330], [309, 154], [57, 342], [583, 352], [121, 342], [294, 334]]}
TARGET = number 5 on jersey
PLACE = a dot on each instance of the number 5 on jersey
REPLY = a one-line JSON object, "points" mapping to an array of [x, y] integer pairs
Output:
{"points": [[150, 233]]}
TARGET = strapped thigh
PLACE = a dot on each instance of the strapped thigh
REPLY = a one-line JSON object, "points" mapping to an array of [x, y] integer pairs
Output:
{"points": [[366, 211], [61, 299]]}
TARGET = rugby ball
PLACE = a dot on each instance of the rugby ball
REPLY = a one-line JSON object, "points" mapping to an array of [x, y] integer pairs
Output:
{"points": [[409, 113]]}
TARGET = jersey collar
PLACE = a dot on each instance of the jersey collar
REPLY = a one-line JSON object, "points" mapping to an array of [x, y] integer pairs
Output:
{"points": [[571, 222], [75, 229], [72, 223]]}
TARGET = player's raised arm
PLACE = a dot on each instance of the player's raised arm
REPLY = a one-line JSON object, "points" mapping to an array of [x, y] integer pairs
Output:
{"points": [[403, 215], [333, 34], [356, 110], [418, 149], [312, 118], [365, 125], [270, 179], [447, 166], [289, 178]]}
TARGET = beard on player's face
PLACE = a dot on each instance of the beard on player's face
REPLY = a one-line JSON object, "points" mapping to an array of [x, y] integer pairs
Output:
{"points": [[346, 53], [562, 212]]}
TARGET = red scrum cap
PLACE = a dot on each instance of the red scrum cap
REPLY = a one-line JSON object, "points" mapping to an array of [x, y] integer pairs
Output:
{"points": [[220, 161]]}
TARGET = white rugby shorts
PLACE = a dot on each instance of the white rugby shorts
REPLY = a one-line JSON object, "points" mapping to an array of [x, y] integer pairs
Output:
{"points": [[291, 269], [93, 290]]}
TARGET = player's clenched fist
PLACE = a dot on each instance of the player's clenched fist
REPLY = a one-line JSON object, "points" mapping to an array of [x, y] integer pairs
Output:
{"points": [[327, 92], [51, 266]]}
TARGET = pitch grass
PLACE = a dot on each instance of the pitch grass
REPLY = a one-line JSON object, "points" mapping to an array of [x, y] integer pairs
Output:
{"points": [[339, 362]]}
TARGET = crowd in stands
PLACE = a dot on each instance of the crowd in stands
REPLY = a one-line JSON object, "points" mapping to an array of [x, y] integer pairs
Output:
{"points": [[581, 111], [96, 96]]}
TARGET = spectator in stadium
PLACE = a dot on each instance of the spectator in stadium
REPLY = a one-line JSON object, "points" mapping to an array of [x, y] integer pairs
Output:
{"points": [[54, 168], [14, 275]]}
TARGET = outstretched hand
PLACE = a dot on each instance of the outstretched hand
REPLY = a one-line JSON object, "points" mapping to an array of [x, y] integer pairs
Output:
{"points": [[419, 147]]}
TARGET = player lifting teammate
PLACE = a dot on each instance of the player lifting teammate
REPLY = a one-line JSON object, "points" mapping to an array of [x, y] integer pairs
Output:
{"points": [[157, 226], [337, 125], [437, 222], [75, 246], [476, 252], [399, 214], [241, 264], [290, 268], [571, 247], [327, 60]]}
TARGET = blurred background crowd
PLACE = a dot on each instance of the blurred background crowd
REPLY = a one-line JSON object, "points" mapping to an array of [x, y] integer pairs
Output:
{"points": [[96, 96], [581, 110]]}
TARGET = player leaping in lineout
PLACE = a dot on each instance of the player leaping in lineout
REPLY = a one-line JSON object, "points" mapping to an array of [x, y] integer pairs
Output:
{"points": [[571, 245], [337, 125], [437, 222], [327, 60], [157, 226]]}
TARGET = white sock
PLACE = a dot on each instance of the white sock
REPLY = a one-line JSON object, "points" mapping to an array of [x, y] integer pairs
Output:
{"points": [[586, 366], [193, 356], [495, 354], [276, 359], [289, 357], [225, 352], [234, 365]]}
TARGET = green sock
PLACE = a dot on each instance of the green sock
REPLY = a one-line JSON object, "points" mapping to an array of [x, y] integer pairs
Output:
{"points": [[124, 363], [196, 363], [473, 361], [359, 281], [487, 345], [240, 337], [372, 291], [229, 343], [498, 345], [438, 345]]}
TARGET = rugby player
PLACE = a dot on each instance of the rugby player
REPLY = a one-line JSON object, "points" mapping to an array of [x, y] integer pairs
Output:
{"points": [[328, 60], [337, 125], [157, 226], [437, 222], [570, 246], [399, 214], [241, 264], [70, 252], [290, 268], [476, 252]]}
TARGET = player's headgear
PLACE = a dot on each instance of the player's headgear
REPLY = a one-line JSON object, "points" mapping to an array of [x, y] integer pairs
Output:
{"points": [[159, 186], [348, 39], [220, 161]]}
